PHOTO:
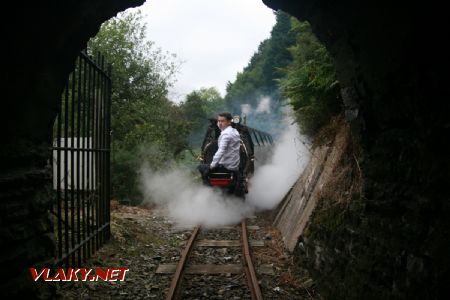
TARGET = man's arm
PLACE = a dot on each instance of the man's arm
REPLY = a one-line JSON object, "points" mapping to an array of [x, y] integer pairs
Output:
{"points": [[221, 151]]}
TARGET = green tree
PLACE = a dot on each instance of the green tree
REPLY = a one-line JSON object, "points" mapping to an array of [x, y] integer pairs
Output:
{"points": [[197, 108], [141, 75], [146, 125], [310, 83], [258, 78]]}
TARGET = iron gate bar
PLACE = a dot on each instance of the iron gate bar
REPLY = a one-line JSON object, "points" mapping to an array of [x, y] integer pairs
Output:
{"points": [[92, 196], [83, 167], [58, 182], [94, 170], [82, 243], [88, 72], [78, 164], [91, 120], [72, 124], [80, 149], [108, 154], [83, 159], [88, 159], [92, 63], [66, 201]]}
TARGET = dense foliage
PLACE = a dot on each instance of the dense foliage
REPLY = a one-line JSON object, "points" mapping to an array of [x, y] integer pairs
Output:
{"points": [[146, 125], [310, 83], [291, 65], [197, 108], [255, 92]]}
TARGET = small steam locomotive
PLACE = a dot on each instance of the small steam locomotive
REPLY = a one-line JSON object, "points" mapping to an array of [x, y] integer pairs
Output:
{"points": [[233, 182]]}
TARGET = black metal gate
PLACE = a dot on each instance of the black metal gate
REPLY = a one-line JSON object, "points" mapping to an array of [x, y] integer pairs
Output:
{"points": [[81, 162]]}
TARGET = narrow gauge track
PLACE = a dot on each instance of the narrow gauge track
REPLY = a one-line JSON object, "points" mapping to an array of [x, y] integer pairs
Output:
{"points": [[252, 281]]}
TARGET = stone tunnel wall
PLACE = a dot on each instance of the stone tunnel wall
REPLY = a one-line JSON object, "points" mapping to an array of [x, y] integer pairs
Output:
{"points": [[42, 40], [294, 212], [392, 61]]}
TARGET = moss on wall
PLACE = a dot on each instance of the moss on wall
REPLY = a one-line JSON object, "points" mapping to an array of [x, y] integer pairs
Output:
{"points": [[393, 242]]}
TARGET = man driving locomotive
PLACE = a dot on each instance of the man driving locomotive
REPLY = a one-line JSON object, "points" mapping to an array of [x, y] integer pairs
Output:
{"points": [[227, 155]]}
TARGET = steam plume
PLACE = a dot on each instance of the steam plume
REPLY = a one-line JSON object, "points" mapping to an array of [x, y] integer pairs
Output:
{"points": [[263, 105], [274, 179], [189, 202]]}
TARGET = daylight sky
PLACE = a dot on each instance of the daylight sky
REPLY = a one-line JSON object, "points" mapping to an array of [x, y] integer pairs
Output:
{"points": [[214, 38]]}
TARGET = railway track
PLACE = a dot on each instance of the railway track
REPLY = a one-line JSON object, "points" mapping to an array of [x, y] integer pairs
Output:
{"points": [[247, 264]]}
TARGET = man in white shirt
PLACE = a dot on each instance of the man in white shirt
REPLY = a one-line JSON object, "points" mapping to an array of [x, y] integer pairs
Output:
{"points": [[229, 143]]}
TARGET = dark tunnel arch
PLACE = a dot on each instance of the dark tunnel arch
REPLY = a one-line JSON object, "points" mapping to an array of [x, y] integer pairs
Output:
{"points": [[393, 86]]}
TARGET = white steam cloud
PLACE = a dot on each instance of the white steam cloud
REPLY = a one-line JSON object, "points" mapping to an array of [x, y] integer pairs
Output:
{"points": [[189, 202], [273, 180], [246, 109], [263, 105]]}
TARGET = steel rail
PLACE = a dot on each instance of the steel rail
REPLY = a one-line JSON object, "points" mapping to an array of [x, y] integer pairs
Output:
{"points": [[252, 280], [176, 280]]}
